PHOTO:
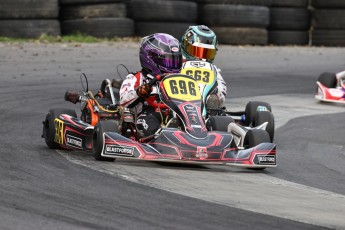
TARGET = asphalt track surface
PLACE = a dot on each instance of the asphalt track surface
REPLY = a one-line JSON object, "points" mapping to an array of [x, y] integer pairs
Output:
{"points": [[46, 189]]}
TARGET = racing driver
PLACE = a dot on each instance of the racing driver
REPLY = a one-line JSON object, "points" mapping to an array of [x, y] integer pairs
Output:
{"points": [[159, 53], [200, 43]]}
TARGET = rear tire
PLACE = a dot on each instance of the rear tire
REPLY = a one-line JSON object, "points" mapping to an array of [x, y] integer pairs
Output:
{"points": [[49, 126], [262, 117], [251, 109], [97, 138], [328, 79]]}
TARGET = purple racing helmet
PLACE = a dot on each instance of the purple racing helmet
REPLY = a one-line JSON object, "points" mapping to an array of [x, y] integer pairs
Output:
{"points": [[160, 53]]}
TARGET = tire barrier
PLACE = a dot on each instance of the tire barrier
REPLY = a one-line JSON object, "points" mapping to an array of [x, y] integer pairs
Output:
{"points": [[173, 17], [237, 2], [100, 27], [29, 9], [328, 4], [288, 37], [29, 18], [236, 22], [290, 3], [111, 10], [29, 28], [98, 18], [241, 36], [176, 29], [289, 25], [328, 23], [71, 2]]}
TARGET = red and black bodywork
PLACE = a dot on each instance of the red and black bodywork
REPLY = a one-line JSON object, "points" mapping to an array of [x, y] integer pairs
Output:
{"points": [[192, 142], [73, 133]]}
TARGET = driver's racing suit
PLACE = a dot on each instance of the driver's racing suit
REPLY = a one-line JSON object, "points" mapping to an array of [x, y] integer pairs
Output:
{"points": [[149, 119]]}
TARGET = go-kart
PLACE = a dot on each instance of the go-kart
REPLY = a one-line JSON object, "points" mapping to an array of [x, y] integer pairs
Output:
{"points": [[63, 129], [257, 114], [331, 87], [187, 139]]}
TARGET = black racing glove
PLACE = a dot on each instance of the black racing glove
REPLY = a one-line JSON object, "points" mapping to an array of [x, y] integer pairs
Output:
{"points": [[144, 91]]}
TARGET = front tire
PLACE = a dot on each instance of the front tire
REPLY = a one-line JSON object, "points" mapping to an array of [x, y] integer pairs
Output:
{"points": [[328, 79], [49, 125], [219, 123], [255, 137], [98, 138], [262, 117]]}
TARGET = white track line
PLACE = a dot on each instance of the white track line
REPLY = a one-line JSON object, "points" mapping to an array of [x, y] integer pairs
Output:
{"points": [[252, 191]]}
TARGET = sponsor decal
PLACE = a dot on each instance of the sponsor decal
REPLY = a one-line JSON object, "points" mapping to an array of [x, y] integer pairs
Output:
{"points": [[126, 85], [193, 118], [201, 153], [143, 123], [174, 49], [74, 142], [59, 128], [261, 108], [336, 92], [198, 64], [267, 159], [118, 150]]}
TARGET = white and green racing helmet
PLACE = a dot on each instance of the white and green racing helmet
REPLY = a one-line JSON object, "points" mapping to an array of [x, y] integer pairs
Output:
{"points": [[199, 43]]}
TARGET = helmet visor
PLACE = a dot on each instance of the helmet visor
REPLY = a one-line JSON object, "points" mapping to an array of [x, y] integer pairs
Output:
{"points": [[169, 61], [207, 52]]}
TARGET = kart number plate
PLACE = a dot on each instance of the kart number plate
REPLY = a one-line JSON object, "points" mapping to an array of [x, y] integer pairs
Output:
{"points": [[59, 124], [202, 76], [182, 88], [268, 159]]}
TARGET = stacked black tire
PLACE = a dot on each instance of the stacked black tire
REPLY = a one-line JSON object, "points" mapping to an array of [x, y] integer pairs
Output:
{"points": [[328, 23], [29, 18], [98, 18], [162, 16], [236, 22], [289, 22]]}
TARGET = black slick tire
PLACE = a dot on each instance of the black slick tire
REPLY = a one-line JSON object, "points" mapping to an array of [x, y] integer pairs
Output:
{"points": [[255, 137], [219, 123], [328, 79], [262, 117], [98, 138], [252, 108]]}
